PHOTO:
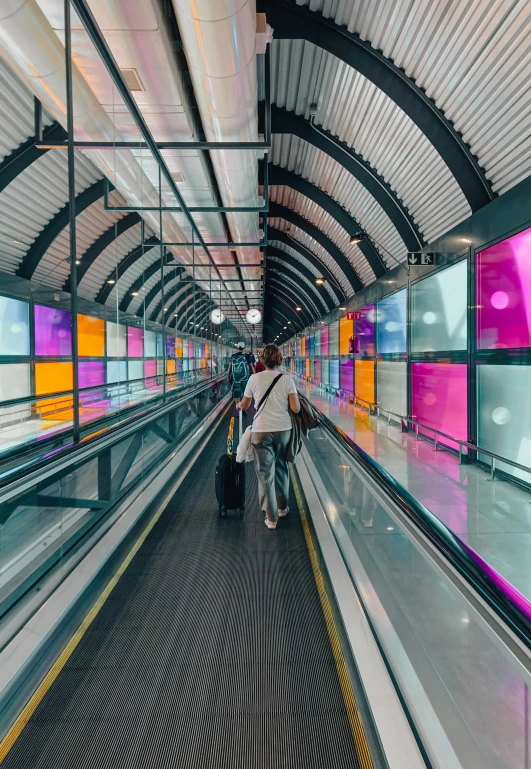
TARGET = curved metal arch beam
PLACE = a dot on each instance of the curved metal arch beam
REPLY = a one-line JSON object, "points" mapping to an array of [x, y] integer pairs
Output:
{"points": [[308, 314], [27, 153], [119, 271], [283, 237], [170, 300], [281, 212], [281, 176], [306, 298], [148, 273], [294, 266], [285, 122], [55, 226], [287, 314], [187, 306], [173, 291], [291, 21], [97, 248]]}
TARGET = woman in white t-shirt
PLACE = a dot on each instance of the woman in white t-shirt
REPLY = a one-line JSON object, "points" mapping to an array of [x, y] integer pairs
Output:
{"points": [[271, 432]]}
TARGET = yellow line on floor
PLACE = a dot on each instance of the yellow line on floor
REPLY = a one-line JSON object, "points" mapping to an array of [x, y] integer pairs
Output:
{"points": [[37, 697], [356, 727]]}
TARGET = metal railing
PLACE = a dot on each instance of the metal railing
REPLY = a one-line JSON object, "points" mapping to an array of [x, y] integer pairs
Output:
{"points": [[438, 434], [510, 606]]}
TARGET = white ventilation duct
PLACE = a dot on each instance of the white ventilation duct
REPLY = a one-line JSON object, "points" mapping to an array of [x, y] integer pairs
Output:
{"points": [[30, 46], [219, 39]]}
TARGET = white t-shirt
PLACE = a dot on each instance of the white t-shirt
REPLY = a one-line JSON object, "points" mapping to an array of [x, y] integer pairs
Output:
{"points": [[274, 415]]}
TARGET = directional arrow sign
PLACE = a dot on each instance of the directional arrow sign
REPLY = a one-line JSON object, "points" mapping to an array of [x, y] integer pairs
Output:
{"points": [[420, 259]]}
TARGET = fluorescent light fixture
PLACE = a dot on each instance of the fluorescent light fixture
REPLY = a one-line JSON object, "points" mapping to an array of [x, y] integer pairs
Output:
{"points": [[357, 238], [320, 280]]}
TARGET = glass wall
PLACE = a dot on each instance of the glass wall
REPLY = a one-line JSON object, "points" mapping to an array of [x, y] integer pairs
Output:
{"points": [[439, 311]]}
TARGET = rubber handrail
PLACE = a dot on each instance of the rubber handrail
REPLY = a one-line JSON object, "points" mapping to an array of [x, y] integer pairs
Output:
{"points": [[504, 599]]}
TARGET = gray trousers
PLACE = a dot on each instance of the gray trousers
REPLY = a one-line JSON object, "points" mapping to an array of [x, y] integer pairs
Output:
{"points": [[272, 471]]}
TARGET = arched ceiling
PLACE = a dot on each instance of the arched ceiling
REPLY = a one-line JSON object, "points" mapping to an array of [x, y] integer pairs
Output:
{"points": [[394, 118]]}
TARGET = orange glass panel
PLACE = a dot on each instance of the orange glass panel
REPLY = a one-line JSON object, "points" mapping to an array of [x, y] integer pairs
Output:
{"points": [[364, 379], [207, 351], [346, 331], [91, 336], [303, 346], [307, 367], [170, 366], [178, 347], [50, 378]]}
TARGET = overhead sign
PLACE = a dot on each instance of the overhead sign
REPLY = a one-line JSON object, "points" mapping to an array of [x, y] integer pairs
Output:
{"points": [[420, 259], [350, 316]]}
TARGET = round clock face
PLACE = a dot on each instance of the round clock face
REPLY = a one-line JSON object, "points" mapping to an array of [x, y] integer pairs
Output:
{"points": [[254, 316], [217, 317]]}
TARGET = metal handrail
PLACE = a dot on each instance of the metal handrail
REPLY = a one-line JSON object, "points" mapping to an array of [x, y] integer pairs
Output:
{"points": [[10, 481], [462, 443], [505, 601]]}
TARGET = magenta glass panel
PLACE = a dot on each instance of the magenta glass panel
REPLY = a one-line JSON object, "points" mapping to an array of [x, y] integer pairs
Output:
{"points": [[91, 373], [318, 370], [364, 331], [150, 368], [504, 293], [324, 341], [135, 342], [191, 349], [53, 331], [439, 398], [346, 375]]}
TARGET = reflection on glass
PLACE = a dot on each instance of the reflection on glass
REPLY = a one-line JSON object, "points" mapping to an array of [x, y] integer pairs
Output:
{"points": [[346, 375], [391, 380], [504, 415], [334, 373], [364, 379], [439, 398], [14, 327], [53, 331], [391, 323], [364, 331], [439, 311], [504, 293]]}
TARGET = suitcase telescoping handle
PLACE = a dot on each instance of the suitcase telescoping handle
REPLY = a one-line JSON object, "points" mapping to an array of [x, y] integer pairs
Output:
{"points": [[241, 423]]}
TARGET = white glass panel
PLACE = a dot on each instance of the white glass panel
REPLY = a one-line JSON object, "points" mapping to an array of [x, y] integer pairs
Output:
{"points": [[504, 415], [14, 327], [149, 344], [135, 369], [439, 311], [116, 371], [391, 383], [116, 340]]}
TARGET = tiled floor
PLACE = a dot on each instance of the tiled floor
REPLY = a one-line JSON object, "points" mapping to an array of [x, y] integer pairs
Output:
{"points": [[492, 517]]}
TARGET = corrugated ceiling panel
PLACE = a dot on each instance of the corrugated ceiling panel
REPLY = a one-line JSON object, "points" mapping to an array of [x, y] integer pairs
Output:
{"points": [[309, 210], [352, 108], [32, 199], [307, 303], [167, 302], [316, 249], [98, 273], [305, 160], [473, 59], [16, 112], [54, 267], [135, 271], [295, 278], [306, 263]]}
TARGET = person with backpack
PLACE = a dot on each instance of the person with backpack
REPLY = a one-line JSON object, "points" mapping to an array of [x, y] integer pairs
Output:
{"points": [[275, 394], [240, 369]]}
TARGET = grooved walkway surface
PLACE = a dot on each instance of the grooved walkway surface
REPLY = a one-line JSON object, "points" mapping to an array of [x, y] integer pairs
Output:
{"points": [[212, 651]]}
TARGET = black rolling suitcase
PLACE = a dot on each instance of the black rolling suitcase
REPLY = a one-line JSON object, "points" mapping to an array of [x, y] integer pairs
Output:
{"points": [[230, 477]]}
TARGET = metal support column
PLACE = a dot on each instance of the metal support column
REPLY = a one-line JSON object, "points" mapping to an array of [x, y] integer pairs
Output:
{"points": [[72, 213]]}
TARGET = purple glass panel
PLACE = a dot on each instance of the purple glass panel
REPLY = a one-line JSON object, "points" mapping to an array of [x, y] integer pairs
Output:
{"points": [[150, 368], [170, 347], [135, 342], [439, 398], [53, 331], [324, 341], [191, 349], [91, 373], [318, 370], [346, 375], [504, 293], [364, 331]]}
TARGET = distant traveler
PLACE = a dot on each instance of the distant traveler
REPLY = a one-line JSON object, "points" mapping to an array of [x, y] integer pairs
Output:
{"points": [[240, 369], [271, 432], [259, 366]]}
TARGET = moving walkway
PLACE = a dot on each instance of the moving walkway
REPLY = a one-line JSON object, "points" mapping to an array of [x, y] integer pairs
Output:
{"points": [[357, 633]]}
